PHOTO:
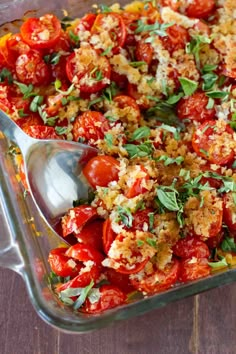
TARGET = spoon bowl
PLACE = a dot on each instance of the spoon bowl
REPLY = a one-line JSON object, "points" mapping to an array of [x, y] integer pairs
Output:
{"points": [[53, 170]]}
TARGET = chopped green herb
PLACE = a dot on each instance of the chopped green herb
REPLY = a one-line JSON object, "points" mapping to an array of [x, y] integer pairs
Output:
{"points": [[35, 103], [74, 37], [195, 46], [107, 51], [208, 67], [140, 133], [26, 90], [151, 221], [83, 295], [168, 198], [104, 8], [64, 101], [188, 86], [184, 173], [209, 81], [169, 160], [5, 74], [219, 264], [137, 64], [204, 151], [22, 113], [61, 130], [174, 98], [109, 139], [217, 94], [210, 103], [234, 164], [125, 215], [141, 150], [175, 131], [152, 242], [140, 243], [228, 244]]}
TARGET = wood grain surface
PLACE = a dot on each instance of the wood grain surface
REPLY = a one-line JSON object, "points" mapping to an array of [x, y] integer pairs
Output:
{"points": [[204, 324]]}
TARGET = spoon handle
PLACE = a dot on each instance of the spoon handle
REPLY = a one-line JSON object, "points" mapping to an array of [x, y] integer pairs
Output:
{"points": [[15, 133]]}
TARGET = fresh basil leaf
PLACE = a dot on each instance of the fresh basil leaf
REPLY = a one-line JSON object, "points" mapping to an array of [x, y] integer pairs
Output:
{"points": [[174, 98], [125, 216], [169, 160], [26, 90], [209, 81], [137, 64], [219, 264], [35, 103], [188, 86], [151, 242], [209, 67], [109, 139], [168, 199], [140, 133], [83, 295], [228, 244], [217, 94], [5, 74], [141, 150]]}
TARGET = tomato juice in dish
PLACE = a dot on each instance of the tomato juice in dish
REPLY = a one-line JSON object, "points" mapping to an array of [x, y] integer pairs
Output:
{"points": [[152, 87]]}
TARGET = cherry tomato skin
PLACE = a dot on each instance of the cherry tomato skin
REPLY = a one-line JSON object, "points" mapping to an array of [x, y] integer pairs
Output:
{"points": [[194, 108], [108, 235], [135, 269], [41, 132], [86, 22], [117, 34], [60, 263], [91, 126], [76, 218], [84, 253], [166, 278], [101, 170], [31, 69], [193, 268], [141, 218], [177, 37], [229, 211], [200, 8], [124, 101], [32, 119], [137, 187], [205, 147], [144, 52], [91, 234], [122, 281], [41, 33], [16, 46], [85, 76], [110, 297], [82, 280], [189, 247]]}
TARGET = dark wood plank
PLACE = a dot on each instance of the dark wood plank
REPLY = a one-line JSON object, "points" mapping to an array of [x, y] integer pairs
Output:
{"points": [[21, 330], [217, 321]]}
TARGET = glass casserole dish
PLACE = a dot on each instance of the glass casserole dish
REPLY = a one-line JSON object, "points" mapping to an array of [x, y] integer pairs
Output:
{"points": [[27, 240]]}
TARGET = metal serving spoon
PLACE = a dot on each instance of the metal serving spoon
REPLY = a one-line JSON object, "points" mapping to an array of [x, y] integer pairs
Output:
{"points": [[52, 168]]}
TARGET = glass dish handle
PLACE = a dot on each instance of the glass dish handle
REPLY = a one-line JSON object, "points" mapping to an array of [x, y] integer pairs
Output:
{"points": [[10, 193]]}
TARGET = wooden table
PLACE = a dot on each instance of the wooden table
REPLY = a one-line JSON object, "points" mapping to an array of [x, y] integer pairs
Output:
{"points": [[204, 324]]}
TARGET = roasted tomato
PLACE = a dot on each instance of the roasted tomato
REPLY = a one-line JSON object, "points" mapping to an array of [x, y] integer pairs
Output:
{"points": [[120, 280], [189, 247], [139, 184], [128, 106], [129, 252], [16, 46], [110, 297], [142, 219], [91, 234], [154, 280], [108, 235], [195, 9], [101, 170], [111, 27], [213, 140], [144, 52], [193, 268], [90, 126], [42, 32], [177, 37], [84, 253], [87, 70], [77, 217], [229, 211], [41, 132], [32, 69], [62, 265], [195, 108]]}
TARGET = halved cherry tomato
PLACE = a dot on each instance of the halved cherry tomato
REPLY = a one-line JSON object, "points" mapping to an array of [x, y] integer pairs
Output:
{"points": [[31, 119], [84, 253], [200, 8], [123, 102], [86, 22], [41, 132], [122, 281], [16, 46], [110, 297], [195, 108], [89, 71], [214, 142], [193, 268], [120, 80], [177, 37], [189, 247], [76, 217], [138, 187], [229, 211], [131, 22], [132, 91], [101, 170], [31, 69], [141, 219], [42, 32], [91, 126], [133, 259], [144, 52], [157, 280], [61, 264], [108, 235], [91, 234], [83, 279], [113, 25]]}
